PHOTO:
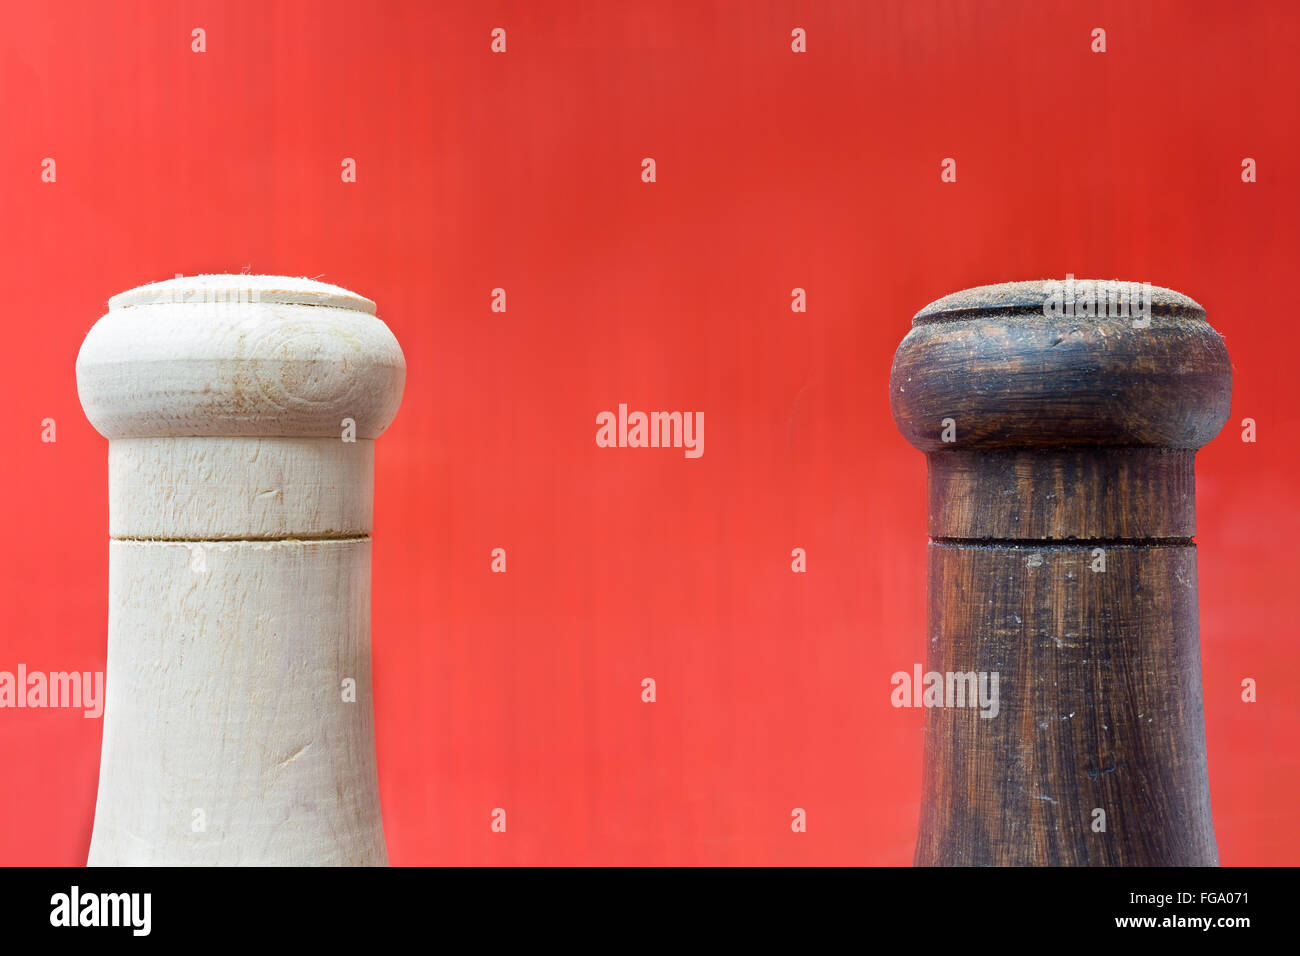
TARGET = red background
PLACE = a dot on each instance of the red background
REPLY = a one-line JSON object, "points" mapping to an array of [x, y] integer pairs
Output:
{"points": [[522, 171]]}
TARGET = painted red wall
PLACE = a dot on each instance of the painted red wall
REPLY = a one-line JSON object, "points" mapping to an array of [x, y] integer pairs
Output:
{"points": [[774, 170]]}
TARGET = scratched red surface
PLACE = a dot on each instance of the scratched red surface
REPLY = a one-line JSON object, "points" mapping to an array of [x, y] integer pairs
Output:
{"points": [[775, 170]]}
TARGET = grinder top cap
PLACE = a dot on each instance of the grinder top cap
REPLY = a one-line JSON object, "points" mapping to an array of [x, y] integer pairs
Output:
{"points": [[240, 355], [1048, 363]]}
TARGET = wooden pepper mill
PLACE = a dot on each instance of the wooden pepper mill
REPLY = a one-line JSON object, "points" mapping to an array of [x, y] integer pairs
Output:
{"points": [[241, 413], [1060, 422]]}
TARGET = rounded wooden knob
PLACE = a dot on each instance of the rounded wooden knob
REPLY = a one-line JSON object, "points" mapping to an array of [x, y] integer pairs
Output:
{"points": [[295, 377], [1013, 370], [1097, 409], [239, 355]]}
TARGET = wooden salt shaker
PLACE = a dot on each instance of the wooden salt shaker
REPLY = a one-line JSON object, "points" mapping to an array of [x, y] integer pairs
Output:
{"points": [[241, 413], [1061, 516]]}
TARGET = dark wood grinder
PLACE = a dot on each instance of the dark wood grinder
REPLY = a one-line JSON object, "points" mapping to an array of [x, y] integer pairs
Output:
{"points": [[1060, 422]]}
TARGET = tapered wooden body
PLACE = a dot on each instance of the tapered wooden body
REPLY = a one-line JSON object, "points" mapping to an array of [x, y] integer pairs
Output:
{"points": [[1061, 516], [241, 413]]}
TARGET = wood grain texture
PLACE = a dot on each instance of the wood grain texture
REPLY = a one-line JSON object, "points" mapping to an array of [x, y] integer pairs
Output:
{"points": [[1051, 441], [1096, 494], [1100, 708], [223, 488], [1010, 376], [238, 722], [172, 363], [225, 697]]}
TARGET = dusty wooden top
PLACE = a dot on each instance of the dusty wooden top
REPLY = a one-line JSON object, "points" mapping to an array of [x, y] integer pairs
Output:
{"points": [[1012, 369], [234, 287], [1029, 297]]}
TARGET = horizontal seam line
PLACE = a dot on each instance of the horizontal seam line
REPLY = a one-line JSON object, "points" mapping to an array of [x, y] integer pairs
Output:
{"points": [[1030, 310], [309, 305], [261, 540], [1067, 542]]}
